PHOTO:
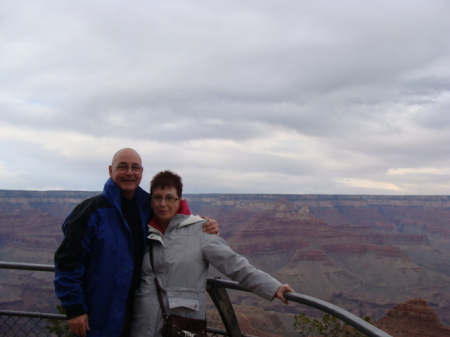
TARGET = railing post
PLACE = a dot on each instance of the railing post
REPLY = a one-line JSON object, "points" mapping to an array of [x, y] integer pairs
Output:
{"points": [[223, 305]]}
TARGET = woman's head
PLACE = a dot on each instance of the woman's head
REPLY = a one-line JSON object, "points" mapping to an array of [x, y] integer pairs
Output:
{"points": [[166, 179], [166, 189]]}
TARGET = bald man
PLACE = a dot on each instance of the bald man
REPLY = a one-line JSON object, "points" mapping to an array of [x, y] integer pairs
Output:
{"points": [[98, 264]]}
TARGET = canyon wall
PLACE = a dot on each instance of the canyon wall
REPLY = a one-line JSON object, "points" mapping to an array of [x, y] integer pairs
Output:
{"points": [[366, 254]]}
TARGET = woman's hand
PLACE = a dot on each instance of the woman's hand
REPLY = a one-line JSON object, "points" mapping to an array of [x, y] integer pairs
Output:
{"points": [[281, 290], [79, 325], [211, 227]]}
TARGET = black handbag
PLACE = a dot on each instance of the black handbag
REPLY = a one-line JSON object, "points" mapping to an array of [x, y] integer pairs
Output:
{"points": [[176, 325], [179, 326]]}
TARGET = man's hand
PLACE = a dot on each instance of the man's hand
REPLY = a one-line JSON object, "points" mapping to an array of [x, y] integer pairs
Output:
{"points": [[79, 325], [281, 290], [211, 227]]}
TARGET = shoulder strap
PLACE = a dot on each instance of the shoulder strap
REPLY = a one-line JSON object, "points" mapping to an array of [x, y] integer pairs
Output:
{"points": [[158, 287]]}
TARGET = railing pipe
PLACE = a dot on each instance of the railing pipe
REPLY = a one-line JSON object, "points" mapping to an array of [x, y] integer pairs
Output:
{"points": [[26, 266], [358, 323], [31, 314]]}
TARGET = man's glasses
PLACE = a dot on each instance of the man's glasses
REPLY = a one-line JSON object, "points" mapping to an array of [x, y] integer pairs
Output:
{"points": [[123, 168], [169, 199]]}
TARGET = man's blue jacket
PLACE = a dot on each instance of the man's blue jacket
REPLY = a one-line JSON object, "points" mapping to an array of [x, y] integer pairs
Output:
{"points": [[94, 263]]}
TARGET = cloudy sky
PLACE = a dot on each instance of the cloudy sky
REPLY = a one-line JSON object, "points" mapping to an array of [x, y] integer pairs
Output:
{"points": [[292, 97]]}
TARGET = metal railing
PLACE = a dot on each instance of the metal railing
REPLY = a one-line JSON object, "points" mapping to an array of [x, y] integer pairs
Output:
{"points": [[217, 291], [26, 324]]}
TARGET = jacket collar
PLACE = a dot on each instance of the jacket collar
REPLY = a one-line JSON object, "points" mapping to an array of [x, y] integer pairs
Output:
{"points": [[178, 221], [112, 192]]}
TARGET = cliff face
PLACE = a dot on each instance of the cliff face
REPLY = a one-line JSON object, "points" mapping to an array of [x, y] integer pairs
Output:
{"points": [[30, 232], [365, 254], [413, 319]]}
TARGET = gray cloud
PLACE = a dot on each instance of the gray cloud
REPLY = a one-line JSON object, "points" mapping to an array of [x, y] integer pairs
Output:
{"points": [[254, 97]]}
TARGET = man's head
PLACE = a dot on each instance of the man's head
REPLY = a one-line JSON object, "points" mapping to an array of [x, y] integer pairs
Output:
{"points": [[126, 171]]}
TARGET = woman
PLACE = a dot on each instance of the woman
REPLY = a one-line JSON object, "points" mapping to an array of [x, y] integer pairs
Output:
{"points": [[181, 254]]}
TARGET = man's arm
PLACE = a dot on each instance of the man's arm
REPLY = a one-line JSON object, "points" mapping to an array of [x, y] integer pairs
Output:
{"points": [[70, 267], [68, 287], [79, 325], [211, 226]]}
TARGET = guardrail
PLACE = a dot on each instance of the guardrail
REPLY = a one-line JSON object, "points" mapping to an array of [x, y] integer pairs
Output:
{"points": [[217, 291]]}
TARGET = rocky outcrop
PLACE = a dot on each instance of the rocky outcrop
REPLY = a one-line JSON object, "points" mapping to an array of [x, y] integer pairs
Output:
{"points": [[413, 319]]}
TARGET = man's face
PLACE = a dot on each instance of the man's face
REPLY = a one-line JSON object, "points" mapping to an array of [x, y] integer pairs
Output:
{"points": [[126, 172]]}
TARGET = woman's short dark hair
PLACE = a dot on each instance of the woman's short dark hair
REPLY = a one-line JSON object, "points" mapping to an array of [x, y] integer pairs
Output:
{"points": [[166, 179]]}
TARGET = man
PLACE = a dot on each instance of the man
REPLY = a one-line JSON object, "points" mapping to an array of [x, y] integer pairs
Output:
{"points": [[98, 264]]}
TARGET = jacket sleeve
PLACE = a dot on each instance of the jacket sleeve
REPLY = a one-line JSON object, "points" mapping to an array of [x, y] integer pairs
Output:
{"points": [[71, 260], [217, 252]]}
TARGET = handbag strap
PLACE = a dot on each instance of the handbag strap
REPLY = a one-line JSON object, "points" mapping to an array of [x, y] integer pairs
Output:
{"points": [[158, 287]]}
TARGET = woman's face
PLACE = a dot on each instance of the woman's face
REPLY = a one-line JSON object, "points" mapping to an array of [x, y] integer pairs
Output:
{"points": [[165, 204]]}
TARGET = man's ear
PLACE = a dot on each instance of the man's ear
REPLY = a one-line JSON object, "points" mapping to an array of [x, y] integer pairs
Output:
{"points": [[110, 171]]}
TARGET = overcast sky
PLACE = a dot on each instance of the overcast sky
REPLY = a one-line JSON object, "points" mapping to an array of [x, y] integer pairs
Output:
{"points": [[292, 97]]}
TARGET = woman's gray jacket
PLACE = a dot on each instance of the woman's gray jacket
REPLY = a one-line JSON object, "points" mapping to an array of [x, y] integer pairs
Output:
{"points": [[181, 259]]}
